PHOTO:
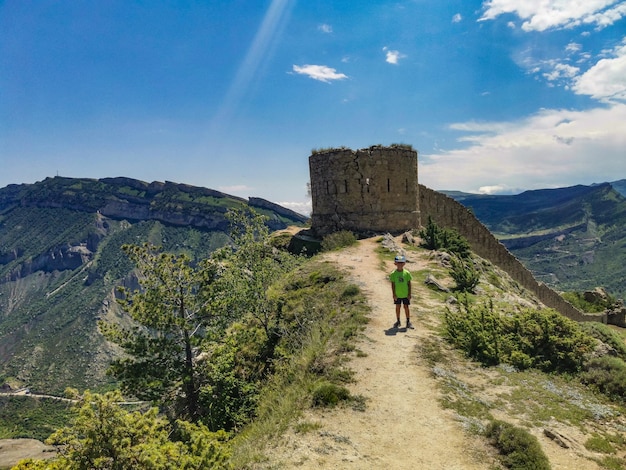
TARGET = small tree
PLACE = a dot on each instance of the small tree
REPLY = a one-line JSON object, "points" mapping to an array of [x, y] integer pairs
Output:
{"points": [[236, 366], [105, 436], [444, 239], [171, 313], [464, 274], [431, 235], [251, 267]]}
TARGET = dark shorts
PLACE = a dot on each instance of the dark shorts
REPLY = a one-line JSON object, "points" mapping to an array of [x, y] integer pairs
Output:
{"points": [[404, 301]]}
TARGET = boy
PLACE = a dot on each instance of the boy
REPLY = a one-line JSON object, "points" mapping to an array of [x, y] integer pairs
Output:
{"points": [[401, 290]]}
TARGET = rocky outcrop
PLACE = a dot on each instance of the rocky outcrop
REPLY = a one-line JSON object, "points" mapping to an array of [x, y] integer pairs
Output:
{"points": [[56, 259]]}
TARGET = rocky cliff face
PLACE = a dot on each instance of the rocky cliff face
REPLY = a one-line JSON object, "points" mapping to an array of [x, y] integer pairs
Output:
{"points": [[56, 259]]}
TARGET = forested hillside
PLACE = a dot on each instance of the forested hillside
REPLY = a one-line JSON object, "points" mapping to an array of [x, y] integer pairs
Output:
{"points": [[572, 239], [61, 261]]}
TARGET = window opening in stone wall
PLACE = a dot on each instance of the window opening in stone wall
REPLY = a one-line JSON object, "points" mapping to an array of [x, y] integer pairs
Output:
{"points": [[406, 186], [345, 185], [388, 185], [327, 188]]}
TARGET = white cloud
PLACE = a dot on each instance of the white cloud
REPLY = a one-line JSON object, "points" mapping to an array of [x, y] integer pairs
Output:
{"points": [[235, 188], [495, 189], [392, 57], [607, 17], [540, 15], [319, 72], [606, 80], [457, 18], [325, 28], [573, 47], [552, 148], [561, 71], [303, 208]]}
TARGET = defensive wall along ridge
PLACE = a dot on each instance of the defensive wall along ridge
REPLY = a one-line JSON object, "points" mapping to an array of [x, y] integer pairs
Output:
{"points": [[376, 190]]}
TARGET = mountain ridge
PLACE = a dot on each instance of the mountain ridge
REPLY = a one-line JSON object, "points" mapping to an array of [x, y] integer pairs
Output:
{"points": [[570, 238], [121, 197], [60, 264]]}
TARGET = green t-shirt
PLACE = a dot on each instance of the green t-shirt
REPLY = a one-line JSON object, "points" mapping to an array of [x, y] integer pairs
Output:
{"points": [[401, 280]]}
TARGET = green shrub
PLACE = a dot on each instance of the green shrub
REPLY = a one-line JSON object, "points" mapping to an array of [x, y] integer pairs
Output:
{"points": [[541, 339], [475, 330], [437, 238], [607, 374], [350, 291], [607, 335], [519, 449], [464, 274], [337, 240], [546, 340], [327, 394]]}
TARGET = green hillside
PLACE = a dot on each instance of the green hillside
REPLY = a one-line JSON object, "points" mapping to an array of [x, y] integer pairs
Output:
{"points": [[570, 238], [60, 262]]}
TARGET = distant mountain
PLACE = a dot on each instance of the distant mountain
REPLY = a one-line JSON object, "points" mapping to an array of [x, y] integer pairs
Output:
{"points": [[620, 187], [60, 261], [570, 238]]}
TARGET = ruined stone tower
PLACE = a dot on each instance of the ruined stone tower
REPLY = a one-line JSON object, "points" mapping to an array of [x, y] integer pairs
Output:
{"points": [[364, 191]]}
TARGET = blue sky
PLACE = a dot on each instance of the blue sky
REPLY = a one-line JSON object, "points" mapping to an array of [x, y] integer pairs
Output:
{"points": [[497, 96]]}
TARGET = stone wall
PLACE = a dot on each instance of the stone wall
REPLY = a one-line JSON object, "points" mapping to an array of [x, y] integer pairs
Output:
{"points": [[370, 190], [376, 190], [446, 212]]}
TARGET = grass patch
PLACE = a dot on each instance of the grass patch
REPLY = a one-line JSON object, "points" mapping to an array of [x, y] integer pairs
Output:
{"points": [[611, 463], [306, 426], [598, 443]]}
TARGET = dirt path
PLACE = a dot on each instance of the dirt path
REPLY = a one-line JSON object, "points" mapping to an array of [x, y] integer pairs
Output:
{"points": [[403, 427]]}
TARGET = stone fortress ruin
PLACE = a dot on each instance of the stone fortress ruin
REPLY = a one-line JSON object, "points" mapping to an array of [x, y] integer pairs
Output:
{"points": [[375, 190], [367, 190]]}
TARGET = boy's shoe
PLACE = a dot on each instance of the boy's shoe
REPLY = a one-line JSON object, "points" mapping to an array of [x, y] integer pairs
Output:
{"points": [[397, 324], [409, 325]]}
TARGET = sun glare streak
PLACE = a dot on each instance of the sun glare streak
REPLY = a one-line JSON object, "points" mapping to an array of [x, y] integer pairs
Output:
{"points": [[259, 51]]}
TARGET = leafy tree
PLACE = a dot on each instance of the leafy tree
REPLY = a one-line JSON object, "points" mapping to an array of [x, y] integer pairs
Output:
{"points": [[236, 366], [171, 313], [234, 371], [104, 436], [252, 265], [204, 334]]}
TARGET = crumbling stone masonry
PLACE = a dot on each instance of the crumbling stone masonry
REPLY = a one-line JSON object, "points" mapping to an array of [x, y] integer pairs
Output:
{"points": [[365, 191]]}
